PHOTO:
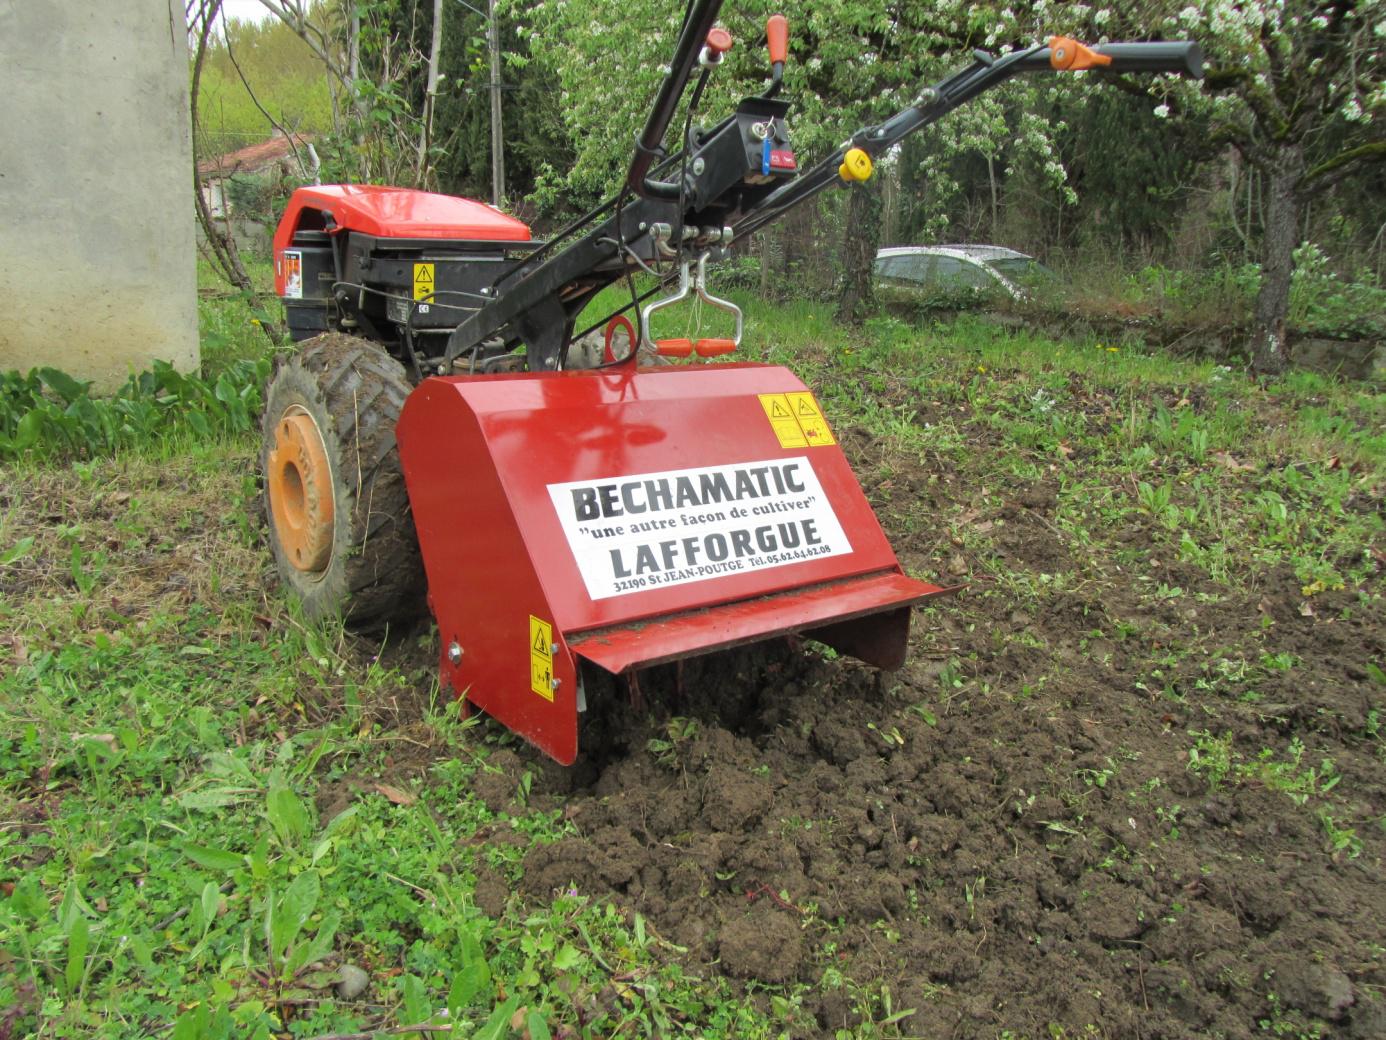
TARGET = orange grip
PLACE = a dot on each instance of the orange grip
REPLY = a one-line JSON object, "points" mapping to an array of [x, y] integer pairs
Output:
{"points": [[777, 37], [673, 347], [719, 41], [714, 347], [1068, 55]]}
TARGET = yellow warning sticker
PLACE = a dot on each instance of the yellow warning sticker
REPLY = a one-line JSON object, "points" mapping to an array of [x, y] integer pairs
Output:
{"points": [[810, 419], [540, 657], [781, 415], [423, 281], [797, 420]]}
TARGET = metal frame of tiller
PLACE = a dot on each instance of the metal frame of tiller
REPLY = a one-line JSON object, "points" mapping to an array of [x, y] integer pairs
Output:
{"points": [[728, 181], [633, 515]]}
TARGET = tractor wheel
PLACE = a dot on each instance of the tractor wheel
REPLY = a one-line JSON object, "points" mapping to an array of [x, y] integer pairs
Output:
{"points": [[335, 501]]}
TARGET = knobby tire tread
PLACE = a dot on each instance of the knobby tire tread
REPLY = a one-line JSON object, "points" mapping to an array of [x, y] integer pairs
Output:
{"points": [[361, 390]]}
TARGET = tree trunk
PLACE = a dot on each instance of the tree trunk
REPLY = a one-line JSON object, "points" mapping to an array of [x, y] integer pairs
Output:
{"points": [[430, 96], [497, 133], [1269, 336], [856, 300]]}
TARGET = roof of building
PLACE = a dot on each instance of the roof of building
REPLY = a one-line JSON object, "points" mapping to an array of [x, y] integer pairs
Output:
{"points": [[252, 158]]}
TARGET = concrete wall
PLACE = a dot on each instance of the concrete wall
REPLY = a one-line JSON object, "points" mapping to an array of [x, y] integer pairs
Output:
{"points": [[98, 271]]}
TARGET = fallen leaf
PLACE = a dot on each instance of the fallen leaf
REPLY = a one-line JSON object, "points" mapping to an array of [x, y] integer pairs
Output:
{"points": [[101, 738], [18, 650], [395, 795], [1306, 609], [1226, 461]]}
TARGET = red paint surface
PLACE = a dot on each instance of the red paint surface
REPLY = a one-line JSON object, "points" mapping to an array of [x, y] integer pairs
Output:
{"points": [[478, 455], [733, 624], [386, 212]]}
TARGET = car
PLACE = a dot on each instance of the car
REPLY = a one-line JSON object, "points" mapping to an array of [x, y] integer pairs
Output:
{"points": [[946, 270]]}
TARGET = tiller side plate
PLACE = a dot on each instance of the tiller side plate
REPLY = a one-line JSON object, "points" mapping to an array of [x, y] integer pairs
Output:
{"points": [[635, 518]]}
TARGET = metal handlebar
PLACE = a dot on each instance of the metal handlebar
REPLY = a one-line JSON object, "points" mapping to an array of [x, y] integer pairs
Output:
{"points": [[1181, 56], [700, 20], [691, 283], [1184, 58]]}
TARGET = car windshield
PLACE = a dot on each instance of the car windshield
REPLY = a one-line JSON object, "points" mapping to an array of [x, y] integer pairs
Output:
{"points": [[1023, 270]]}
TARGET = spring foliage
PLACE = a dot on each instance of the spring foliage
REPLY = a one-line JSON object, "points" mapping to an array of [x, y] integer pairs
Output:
{"points": [[48, 413]]}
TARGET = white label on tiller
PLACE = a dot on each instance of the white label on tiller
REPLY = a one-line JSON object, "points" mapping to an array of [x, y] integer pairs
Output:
{"points": [[649, 531]]}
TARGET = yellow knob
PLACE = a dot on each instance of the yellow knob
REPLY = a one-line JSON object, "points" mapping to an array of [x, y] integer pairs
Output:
{"points": [[856, 165]]}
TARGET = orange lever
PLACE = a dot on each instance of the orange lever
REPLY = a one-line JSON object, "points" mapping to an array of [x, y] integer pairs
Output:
{"points": [[673, 347], [714, 347], [777, 38], [1068, 55], [719, 41]]}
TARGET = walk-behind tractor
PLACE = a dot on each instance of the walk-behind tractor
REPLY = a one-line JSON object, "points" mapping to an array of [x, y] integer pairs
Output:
{"points": [[574, 507]]}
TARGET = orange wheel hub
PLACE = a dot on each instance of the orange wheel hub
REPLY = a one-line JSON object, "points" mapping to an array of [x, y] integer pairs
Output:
{"points": [[300, 491]]}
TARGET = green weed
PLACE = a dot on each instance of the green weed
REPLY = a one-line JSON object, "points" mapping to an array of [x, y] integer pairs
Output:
{"points": [[226, 803], [48, 413]]}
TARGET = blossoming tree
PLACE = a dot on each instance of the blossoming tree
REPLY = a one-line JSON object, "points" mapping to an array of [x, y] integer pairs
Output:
{"points": [[1298, 87]]}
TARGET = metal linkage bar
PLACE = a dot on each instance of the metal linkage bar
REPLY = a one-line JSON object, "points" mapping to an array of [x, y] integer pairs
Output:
{"points": [[537, 302], [955, 90]]}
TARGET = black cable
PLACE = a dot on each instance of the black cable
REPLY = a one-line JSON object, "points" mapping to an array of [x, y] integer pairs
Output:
{"points": [[433, 297], [567, 232], [688, 152]]}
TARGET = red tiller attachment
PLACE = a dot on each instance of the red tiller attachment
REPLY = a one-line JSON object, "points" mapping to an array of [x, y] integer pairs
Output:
{"points": [[634, 517]]}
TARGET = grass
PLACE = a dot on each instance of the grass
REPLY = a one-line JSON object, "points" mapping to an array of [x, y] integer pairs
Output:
{"points": [[1184, 439], [167, 730], [1321, 302], [210, 805], [230, 328]]}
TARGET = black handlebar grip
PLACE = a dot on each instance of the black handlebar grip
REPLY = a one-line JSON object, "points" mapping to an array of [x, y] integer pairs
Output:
{"points": [[1184, 57]]}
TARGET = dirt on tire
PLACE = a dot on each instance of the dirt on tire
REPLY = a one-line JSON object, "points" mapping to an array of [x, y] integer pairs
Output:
{"points": [[354, 392]]}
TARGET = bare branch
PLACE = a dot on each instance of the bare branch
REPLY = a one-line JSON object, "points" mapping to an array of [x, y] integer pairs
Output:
{"points": [[1331, 171], [221, 243], [430, 95], [292, 14], [227, 263], [293, 138]]}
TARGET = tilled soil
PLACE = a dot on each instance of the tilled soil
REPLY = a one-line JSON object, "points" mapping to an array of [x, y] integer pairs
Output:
{"points": [[1008, 834]]}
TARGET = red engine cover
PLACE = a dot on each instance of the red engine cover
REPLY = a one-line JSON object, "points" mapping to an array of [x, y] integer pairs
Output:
{"points": [[375, 209]]}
